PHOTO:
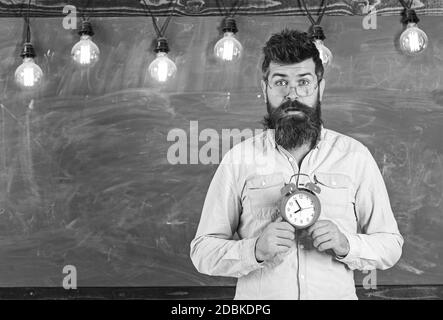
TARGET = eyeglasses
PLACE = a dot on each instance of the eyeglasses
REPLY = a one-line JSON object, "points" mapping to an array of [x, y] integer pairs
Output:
{"points": [[304, 88]]}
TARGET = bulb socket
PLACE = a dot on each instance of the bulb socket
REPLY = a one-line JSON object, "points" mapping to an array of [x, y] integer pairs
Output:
{"points": [[316, 32], [86, 29], [229, 25], [409, 16], [162, 45], [28, 51]]}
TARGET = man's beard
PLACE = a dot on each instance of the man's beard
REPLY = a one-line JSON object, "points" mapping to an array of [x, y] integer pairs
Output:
{"points": [[293, 131]]}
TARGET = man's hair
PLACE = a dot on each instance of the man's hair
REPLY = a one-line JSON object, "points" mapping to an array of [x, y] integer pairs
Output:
{"points": [[288, 47]]}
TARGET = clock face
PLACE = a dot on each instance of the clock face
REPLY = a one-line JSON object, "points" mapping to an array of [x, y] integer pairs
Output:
{"points": [[301, 209]]}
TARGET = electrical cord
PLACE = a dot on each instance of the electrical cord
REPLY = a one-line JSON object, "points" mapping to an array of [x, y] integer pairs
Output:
{"points": [[409, 14], [403, 3], [324, 4], [228, 13], [161, 31], [83, 10], [28, 28]]}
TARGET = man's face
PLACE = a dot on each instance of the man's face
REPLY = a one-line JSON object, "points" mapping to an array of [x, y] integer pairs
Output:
{"points": [[292, 74], [293, 112]]}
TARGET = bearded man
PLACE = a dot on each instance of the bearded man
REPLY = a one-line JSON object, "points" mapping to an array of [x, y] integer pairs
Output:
{"points": [[242, 233]]}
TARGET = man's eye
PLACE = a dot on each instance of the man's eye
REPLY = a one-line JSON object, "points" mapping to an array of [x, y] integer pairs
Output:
{"points": [[280, 83], [304, 82]]}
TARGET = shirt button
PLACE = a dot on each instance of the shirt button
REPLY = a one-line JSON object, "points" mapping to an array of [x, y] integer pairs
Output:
{"points": [[291, 160], [302, 277], [302, 246]]}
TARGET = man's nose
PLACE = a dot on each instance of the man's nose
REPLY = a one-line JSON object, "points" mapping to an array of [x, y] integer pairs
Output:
{"points": [[292, 94]]}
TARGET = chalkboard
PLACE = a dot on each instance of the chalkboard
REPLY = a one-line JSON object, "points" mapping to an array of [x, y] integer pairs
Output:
{"points": [[84, 174]]}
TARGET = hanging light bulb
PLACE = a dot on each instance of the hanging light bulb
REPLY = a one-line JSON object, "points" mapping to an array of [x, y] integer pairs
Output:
{"points": [[228, 48], [413, 40], [85, 52], [318, 38], [162, 68], [28, 74], [325, 53]]}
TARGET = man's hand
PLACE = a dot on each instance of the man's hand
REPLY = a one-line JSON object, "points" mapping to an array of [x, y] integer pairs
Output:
{"points": [[326, 235], [277, 237]]}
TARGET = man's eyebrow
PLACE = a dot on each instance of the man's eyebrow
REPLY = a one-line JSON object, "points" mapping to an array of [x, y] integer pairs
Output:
{"points": [[279, 75], [298, 75], [305, 74]]}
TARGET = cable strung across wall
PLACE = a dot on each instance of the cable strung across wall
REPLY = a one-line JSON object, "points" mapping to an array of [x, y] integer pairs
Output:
{"points": [[413, 41], [125, 8]]}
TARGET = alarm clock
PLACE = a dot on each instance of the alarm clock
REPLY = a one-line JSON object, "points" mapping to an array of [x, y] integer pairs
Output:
{"points": [[300, 206]]}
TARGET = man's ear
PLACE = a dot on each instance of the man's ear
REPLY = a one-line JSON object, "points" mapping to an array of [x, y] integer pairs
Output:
{"points": [[263, 89], [321, 87]]}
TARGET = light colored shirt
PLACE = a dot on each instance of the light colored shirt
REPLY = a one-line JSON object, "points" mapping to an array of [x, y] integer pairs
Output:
{"points": [[244, 197]]}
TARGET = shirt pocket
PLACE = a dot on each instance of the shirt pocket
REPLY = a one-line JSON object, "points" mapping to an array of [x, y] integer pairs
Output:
{"points": [[335, 194], [263, 194]]}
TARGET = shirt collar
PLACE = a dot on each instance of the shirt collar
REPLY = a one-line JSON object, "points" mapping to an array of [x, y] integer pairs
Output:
{"points": [[270, 136]]}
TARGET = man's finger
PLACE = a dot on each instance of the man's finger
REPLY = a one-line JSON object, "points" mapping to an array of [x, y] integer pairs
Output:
{"points": [[284, 226], [285, 242], [321, 239], [320, 231], [318, 224], [286, 234], [282, 248], [325, 246]]}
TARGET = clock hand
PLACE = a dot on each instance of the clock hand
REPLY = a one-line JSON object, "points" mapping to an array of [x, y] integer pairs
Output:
{"points": [[298, 204]]}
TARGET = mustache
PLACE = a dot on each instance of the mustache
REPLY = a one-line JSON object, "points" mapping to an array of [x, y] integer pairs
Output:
{"points": [[293, 106], [279, 116]]}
